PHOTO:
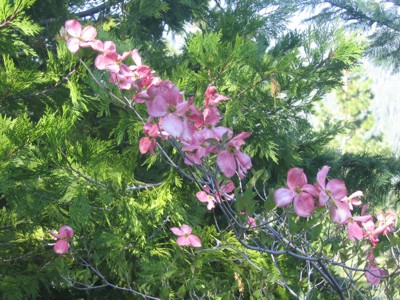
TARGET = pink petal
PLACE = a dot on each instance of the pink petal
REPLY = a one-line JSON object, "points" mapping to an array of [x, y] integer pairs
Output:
{"points": [[73, 27], [157, 107], [88, 33], [172, 124], [73, 44], [136, 57], [109, 46], [97, 46], [303, 204], [177, 231], [354, 231], [186, 229], [228, 187], [144, 144], [323, 198], [283, 197], [372, 275], [226, 163], [321, 176], [310, 189], [244, 159], [61, 247], [337, 188], [66, 232], [296, 178], [183, 241], [103, 62], [194, 241], [340, 212], [204, 197]]}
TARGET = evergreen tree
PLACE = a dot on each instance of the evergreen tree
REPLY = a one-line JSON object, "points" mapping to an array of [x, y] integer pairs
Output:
{"points": [[350, 105], [69, 151], [379, 20]]}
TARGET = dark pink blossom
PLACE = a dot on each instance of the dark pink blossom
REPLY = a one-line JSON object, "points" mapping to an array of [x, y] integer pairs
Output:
{"points": [[65, 233], [251, 222], [212, 98], [374, 273], [299, 192]]}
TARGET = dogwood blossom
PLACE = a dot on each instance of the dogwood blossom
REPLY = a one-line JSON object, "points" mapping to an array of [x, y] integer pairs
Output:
{"points": [[185, 237], [299, 192], [79, 37], [65, 233]]}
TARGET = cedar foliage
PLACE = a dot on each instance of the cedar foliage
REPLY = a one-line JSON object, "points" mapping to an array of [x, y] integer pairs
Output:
{"points": [[68, 155]]}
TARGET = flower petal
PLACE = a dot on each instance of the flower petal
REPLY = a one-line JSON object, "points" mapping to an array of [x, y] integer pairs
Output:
{"points": [[321, 176], [303, 204], [194, 241], [88, 33], [323, 198], [61, 247], [73, 44], [354, 231], [338, 189], [66, 232], [340, 212], [283, 197], [226, 163], [296, 178], [186, 229], [73, 27], [173, 125], [177, 231]]}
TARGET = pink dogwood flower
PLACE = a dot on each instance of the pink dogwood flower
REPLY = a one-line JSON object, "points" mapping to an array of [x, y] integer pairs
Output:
{"points": [[340, 212], [354, 229], [185, 237], [224, 192], [212, 98], [299, 192], [232, 160], [65, 233], [335, 188], [203, 196], [374, 273], [353, 199], [388, 220], [251, 222], [79, 37]]}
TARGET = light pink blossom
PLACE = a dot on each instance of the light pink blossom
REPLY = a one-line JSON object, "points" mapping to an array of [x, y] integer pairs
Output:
{"points": [[335, 188], [353, 199], [232, 160], [79, 37], [185, 237]]}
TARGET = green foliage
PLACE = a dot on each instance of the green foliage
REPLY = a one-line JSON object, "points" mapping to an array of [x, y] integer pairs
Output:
{"points": [[14, 24], [379, 19]]}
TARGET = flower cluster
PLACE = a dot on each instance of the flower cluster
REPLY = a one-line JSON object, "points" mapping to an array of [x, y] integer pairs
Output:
{"points": [[333, 195], [169, 114], [65, 233]]}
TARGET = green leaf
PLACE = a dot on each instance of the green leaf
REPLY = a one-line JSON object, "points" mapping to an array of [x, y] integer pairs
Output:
{"points": [[164, 292]]}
